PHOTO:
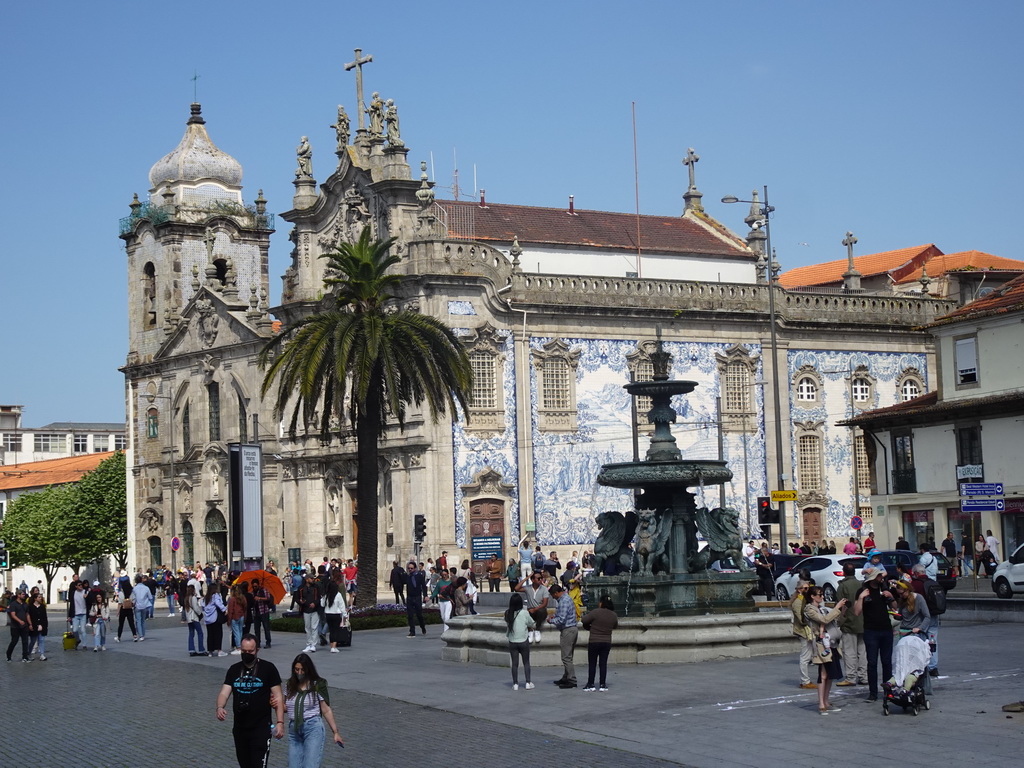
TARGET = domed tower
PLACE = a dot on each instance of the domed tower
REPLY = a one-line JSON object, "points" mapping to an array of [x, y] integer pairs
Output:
{"points": [[193, 230]]}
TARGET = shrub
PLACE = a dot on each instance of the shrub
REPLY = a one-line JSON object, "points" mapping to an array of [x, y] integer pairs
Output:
{"points": [[380, 616]]}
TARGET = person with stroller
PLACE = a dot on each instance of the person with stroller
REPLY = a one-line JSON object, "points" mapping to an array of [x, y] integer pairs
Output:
{"points": [[873, 602], [822, 621], [914, 621]]}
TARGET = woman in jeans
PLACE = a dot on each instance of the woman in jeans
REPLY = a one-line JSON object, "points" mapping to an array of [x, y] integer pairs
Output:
{"points": [[194, 616], [40, 624], [236, 618], [519, 624], [873, 603], [307, 707], [99, 617], [213, 608], [601, 622]]}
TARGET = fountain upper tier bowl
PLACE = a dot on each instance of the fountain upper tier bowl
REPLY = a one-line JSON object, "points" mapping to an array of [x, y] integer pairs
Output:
{"points": [[657, 474], [661, 387]]}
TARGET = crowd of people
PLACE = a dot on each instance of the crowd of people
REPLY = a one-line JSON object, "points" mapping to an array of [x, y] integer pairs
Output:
{"points": [[848, 641]]}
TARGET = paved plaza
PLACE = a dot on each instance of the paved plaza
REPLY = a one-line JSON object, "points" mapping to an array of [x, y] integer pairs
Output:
{"points": [[142, 705]]}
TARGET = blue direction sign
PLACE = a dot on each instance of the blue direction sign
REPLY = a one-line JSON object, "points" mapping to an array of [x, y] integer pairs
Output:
{"points": [[982, 505], [981, 489], [485, 546]]}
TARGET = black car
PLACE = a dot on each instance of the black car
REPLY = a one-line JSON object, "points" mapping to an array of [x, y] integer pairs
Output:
{"points": [[782, 563], [891, 557]]}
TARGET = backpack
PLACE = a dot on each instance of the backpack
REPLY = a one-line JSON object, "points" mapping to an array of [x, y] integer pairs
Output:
{"points": [[537, 563], [934, 597]]}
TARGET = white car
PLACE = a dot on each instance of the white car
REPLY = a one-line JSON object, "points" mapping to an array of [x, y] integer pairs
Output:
{"points": [[826, 570], [1009, 576]]}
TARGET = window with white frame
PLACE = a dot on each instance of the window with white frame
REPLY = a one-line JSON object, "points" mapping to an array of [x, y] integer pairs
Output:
{"points": [[81, 443], [863, 466], [483, 394], [861, 388], [909, 384], [100, 443], [966, 353], [120, 442], [807, 390], [809, 462], [736, 368], [737, 388], [556, 365], [11, 441], [909, 390], [49, 442]]}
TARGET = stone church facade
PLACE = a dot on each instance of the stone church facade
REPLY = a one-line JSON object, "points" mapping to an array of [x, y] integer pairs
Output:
{"points": [[558, 309]]}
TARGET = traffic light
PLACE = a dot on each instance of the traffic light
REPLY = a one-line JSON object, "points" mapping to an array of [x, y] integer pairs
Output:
{"points": [[419, 528], [4, 563], [766, 515]]}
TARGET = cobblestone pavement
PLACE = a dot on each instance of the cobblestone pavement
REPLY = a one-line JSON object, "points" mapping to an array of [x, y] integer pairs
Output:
{"points": [[148, 704], [123, 709]]}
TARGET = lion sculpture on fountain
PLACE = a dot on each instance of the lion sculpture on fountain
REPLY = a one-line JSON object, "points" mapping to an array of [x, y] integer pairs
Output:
{"points": [[721, 528], [612, 545], [651, 537]]}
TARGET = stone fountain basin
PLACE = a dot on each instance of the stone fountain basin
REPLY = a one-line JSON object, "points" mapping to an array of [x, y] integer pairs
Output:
{"points": [[655, 474], [668, 387]]}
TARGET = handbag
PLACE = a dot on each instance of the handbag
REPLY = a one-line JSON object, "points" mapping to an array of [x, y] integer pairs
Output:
{"points": [[824, 654]]}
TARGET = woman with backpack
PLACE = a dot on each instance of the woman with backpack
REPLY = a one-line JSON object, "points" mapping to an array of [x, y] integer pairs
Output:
{"points": [[193, 609], [519, 624], [307, 708]]}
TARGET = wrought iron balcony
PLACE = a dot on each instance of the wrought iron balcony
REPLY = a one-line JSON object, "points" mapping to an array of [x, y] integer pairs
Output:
{"points": [[904, 480]]}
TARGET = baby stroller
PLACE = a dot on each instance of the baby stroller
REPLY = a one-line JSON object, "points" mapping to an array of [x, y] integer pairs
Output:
{"points": [[909, 673]]}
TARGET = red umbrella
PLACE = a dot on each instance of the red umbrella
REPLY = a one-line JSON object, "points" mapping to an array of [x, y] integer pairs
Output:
{"points": [[268, 581]]}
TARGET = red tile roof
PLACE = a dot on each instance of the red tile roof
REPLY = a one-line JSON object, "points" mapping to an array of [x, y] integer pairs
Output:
{"points": [[595, 229], [868, 265], [39, 474], [928, 409], [1007, 298], [964, 260]]}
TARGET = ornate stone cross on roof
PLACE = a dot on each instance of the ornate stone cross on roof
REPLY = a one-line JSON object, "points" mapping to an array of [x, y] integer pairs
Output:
{"points": [[690, 161], [692, 196], [849, 241], [357, 65]]}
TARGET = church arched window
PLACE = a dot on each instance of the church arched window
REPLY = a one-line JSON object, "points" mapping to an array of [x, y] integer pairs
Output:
{"points": [[149, 296]]}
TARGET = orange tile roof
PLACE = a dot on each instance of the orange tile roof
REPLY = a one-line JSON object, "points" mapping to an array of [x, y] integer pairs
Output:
{"points": [[868, 265], [39, 474], [595, 229], [949, 262], [1007, 298]]}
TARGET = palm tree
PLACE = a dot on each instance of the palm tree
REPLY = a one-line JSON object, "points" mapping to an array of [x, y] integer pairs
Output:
{"points": [[379, 359]]}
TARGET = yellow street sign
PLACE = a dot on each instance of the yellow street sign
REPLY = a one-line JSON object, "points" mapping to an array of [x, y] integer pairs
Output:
{"points": [[783, 495]]}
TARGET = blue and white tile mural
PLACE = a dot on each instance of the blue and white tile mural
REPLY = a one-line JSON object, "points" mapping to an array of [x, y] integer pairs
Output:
{"points": [[566, 496], [833, 404]]}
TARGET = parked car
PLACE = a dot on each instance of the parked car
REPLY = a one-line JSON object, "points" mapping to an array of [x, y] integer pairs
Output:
{"points": [[782, 563], [826, 570], [891, 557], [1009, 576]]}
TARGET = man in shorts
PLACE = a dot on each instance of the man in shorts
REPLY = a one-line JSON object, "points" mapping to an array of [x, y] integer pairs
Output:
{"points": [[251, 683], [351, 574]]}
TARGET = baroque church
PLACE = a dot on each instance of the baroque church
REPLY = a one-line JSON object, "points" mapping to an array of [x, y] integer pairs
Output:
{"points": [[558, 308]]}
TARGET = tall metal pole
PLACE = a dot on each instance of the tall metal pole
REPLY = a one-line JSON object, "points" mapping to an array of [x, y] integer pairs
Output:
{"points": [[776, 397], [174, 516]]}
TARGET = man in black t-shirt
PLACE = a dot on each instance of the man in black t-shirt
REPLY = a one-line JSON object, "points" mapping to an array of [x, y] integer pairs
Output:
{"points": [[251, 682]]}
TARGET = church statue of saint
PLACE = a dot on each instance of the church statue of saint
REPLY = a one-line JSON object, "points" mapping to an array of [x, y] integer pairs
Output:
{"points": [[376, 113], [341, 127], [305, 157], [394, 137]]}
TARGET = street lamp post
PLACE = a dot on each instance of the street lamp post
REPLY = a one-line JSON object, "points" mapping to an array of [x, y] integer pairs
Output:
{"points": [[766, 211], [151, 396]]}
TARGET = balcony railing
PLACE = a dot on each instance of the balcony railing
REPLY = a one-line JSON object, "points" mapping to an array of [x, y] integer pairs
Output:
{"points": [[904, 481]]}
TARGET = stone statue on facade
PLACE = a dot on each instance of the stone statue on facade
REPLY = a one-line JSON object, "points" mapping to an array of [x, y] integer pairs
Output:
{"points": [[376, 114], [341, 128], [612, 552], [304, 153], [721, 528], [394, 137]]}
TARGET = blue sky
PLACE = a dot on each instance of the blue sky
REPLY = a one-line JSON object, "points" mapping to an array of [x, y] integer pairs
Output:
{"points": [[898, 121]]}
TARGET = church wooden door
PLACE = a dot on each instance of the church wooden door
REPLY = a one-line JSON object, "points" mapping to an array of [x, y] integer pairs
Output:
{"points": [[486, 534], [812, 525]]}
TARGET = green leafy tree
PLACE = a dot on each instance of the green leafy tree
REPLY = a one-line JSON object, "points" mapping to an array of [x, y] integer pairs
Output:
{"points": [[34, 533], [379, 358], [99, 519]]}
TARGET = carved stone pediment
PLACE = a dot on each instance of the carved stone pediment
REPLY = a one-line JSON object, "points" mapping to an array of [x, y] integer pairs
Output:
{"points": [[207, 323]]}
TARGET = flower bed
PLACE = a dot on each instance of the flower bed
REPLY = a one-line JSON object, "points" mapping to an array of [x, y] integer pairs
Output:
{"points": [[380, 616]]}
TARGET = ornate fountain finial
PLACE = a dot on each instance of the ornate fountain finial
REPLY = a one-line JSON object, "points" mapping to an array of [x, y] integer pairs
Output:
{"points": [[661, 360]]}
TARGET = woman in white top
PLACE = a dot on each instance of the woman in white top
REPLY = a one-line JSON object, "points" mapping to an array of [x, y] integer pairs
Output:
{"points": [[335, 611], [213, 609], [99, 617]]}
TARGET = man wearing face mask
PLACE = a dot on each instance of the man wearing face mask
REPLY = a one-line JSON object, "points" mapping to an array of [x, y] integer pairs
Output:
{"points": [[252, 682]]}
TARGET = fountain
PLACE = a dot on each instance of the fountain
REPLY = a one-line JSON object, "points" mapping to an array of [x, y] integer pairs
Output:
{"points": [[672, 608], [649, 561]]}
